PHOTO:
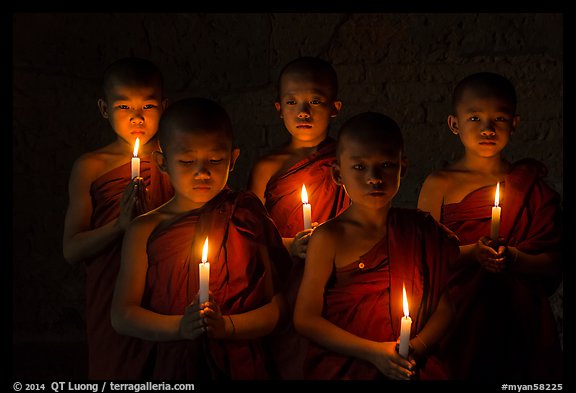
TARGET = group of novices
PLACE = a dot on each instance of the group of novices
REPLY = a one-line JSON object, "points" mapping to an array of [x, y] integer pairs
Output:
{"points": [[326, 302]]}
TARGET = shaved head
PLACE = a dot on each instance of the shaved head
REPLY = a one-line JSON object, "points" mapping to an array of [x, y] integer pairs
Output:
{"points": [[194, 115], [485, 85], [370, 127], [311, 68], [131, 71]]}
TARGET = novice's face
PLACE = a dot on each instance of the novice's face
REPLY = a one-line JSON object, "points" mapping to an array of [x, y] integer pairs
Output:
{"points": [[306, 106], [484, 125], [369, 171], [198, 165], [133, 111]]}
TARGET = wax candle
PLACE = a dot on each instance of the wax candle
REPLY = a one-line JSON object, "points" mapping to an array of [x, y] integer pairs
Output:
{"points": [[405, 326], [136, 160], [306, 209], [496, 210], [204, 269]]}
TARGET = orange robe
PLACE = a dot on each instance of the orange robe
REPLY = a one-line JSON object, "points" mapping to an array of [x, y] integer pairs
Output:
{"points": [[241, 279], [111, 355], [365, 297], [284, 203], [506, 331]]}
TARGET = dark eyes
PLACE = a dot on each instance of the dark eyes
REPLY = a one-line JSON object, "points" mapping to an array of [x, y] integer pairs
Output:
{"points": [[360, 167], [314, 101], [190, 162], [499, 118], [149, 106]]}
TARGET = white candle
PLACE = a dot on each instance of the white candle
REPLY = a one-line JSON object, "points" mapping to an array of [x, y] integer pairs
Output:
{"points": [[405, 326], [306, 209], [204, 269], [496, 210], [136, 160]]}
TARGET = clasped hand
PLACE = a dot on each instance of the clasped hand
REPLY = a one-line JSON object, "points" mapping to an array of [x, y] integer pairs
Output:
{"points": [[492, 255]]}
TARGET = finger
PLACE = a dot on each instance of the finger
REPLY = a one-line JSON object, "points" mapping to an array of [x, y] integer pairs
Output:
{"points": [[303, 233]]}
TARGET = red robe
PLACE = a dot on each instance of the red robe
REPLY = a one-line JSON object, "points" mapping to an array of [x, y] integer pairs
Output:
{"points": [[284, 203], [506, 330], [365, 297], [241, 280], [111, 355], [283, 192]]}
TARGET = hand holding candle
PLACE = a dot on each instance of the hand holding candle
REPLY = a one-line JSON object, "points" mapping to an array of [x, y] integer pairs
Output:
{"points": [[496, 210], [306, 209], [204, 269], [136, 160], [406, 324]]}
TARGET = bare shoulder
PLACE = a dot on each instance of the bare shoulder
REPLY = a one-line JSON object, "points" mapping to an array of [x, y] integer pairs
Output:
{"points": [[88, 166], [93, 164], [433, 191], [328, 234], [144, 224], [437, 181], [264, 169], [269, 164]]}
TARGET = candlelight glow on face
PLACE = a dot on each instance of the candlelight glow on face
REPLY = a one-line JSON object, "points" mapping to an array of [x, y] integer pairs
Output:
{"points": [[306, 208], [405, 326], [204, 271]]}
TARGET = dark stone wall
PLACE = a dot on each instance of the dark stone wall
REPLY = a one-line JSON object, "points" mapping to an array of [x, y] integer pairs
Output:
{"points": [[402, 64]]}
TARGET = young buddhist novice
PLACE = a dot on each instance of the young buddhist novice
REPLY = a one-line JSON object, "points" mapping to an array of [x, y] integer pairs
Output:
{"points": [[156, 296]]}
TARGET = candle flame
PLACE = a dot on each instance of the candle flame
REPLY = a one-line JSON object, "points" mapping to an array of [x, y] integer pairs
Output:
{"points": [[136, 146], [497, 195], [205, 251], [405, 301], [304, 194]]}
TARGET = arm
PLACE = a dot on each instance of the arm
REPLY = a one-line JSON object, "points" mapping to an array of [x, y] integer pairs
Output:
{"points": [[79, 241], [245, 326], [309, 321], [128, 316], [254, 323], [259, 177], [545, 264], [431, 196], [435, 329]]}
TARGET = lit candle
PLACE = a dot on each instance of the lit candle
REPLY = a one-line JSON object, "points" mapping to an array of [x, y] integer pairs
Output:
{"points": [[204, 269], [405, 326], [136, 160], [306, 209], [495, 227]]}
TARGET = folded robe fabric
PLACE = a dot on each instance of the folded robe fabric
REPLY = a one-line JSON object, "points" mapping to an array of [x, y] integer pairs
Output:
{"points": [[506, 329], [283, 192], [365, 297], [284, 203], [111, 355], [242, 278]]}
